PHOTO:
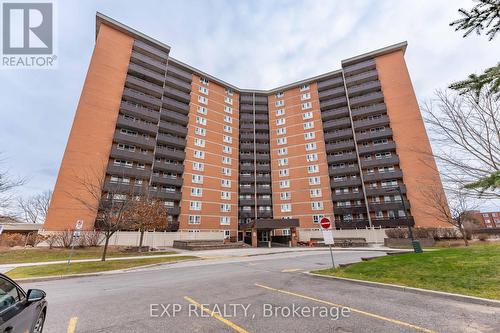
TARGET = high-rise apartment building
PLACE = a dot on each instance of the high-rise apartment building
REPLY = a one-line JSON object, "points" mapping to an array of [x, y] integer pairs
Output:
{"points": [[342, 144]]}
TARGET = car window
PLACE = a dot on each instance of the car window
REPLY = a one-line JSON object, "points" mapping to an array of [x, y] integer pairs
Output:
{"points": [[8, 294]]}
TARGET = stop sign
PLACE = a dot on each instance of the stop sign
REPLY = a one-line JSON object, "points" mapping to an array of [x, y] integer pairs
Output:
{"points": [[325, 223]]}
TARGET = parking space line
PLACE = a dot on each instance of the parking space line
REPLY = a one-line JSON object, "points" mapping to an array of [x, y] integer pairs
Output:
{"points": [[290, 270], [72, 325], [216, 316], [365, 313]]}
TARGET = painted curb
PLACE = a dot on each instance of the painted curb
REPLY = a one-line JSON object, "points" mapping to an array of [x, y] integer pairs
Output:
{"points": [[427, 292]]}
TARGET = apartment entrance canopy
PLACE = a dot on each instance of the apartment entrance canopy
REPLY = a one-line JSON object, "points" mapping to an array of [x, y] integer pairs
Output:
{"points": [[269, 224]]}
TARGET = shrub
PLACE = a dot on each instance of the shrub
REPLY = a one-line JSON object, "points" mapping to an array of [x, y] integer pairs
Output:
{"points": [[93, 238], [397, 233], [64, 238], [35, 239], [11, 240], [483, 237]]}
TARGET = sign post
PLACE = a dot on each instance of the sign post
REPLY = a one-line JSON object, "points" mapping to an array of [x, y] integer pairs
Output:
{"points": [[327, 235], [1, 228], [75, 234]]}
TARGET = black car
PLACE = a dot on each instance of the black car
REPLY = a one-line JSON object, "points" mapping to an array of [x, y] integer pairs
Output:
{"points": [[21, 311]]}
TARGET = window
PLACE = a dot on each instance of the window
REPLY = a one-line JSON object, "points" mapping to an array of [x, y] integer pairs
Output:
{"points": [[286, 207], [284, 183], [228, 100], [200, 131], [309, 135], [203, 100], [280, 94], [196, 192], [285, 195], [228, 119], [305, 96], [317, 205], [227, 139], [311, 146], [308, 125], [120, 180], [203, 90], [281, 131], [204, 81], [225, 183], [201, 120], [227, 150], [284, 172], [228, 129], [281, 141], [202, 110], [304, 87], [128, 132], [229, 91], [122, 146], [314, 181], [312, 168], [282, 161], [225, 207], [199, 142], [315, 193], [226, 171], [282, 151], [195, 205], [199, 154], [226, 160], [197, 179], [280, 121], [312, 157], [9, 295], [225, 195], [198, 166], [123, 163], [280, 103], [306, 105], [280, 112], [285, 232], [317, 218], [379, 214], [194, 219], [225, 220], [307, 115], [228, 109]]}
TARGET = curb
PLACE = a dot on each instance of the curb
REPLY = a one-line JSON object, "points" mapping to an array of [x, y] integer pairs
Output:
{"points": [[427, 292], [113, 272]]}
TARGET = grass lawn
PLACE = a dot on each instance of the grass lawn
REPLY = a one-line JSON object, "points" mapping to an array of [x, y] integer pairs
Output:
{"points": [[473, 271], [87, 267], [44, 254]]}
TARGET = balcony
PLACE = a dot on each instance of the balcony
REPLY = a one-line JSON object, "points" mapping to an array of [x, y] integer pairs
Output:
{"points": [[246, 147], [142, 126], [334, 159], [385, 206], [393, 223], [179, 73], [347, 196], [174, 211], [128, 172], [396, 174], [168, 167], [171, 140], [262, 127], [246, 136], [244, 99], [173, 128], [178, 84], [332, 147], [167, 181], [177, 94], [338, 134], [135, 110], [329, 83], [246, 109], [331, 93], [247, 190], [144, 86], [368, 99], [172, 104], [351, 224], [261, 99], [349, 170], [349, 210], [390, 146], [334, 114], [261, 109], [246, 126], [174, 117], [263, 178], [131, 155], [366, 123], [248, 168], [364, 88], [263, 190], [336, 124], [121, 188], [262, 137], [263, 157], [247, 202], [393, 160], [138, 97], [246, 117], [145, 73], [149, 49], [380, 191], [359, 67], [261, 117], [262, 147], [176, 196], [345, 183], [372, 135], [369, 110], [247, 179], [177, 155], [333, 103], [247, 157], [246, 214], [148, 62], [361, 78], [136, 140], [264, 214], [264, 202], [263, 167]]}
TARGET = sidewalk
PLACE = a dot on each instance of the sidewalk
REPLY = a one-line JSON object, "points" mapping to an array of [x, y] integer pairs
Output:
{"points": [[213, 254]]}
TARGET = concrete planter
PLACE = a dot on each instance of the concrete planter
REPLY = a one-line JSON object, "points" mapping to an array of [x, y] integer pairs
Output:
{"points": [[406, 242]]}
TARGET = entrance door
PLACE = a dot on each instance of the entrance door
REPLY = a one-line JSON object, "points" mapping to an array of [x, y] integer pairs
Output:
{"points": [[264, 236]]}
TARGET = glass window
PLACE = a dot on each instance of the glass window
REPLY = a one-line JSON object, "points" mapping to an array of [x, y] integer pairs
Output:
{"points": [[8, 294]]}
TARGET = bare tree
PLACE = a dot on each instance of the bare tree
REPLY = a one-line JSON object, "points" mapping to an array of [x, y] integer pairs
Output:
{"points": [[111, 203], [148, 213], [34, 209], [456, 212], [7, 184], [466, 130]]}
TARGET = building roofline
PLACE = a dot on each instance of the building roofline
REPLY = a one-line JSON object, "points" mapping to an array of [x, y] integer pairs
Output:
{"points": [[103, 19], [388, 49]]}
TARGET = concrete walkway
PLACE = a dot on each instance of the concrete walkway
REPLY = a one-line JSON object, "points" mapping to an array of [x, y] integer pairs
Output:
{"points": [[211, 254]]}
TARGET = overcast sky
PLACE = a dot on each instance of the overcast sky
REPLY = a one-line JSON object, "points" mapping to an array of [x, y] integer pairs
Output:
{"points": [[252, 44]]}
